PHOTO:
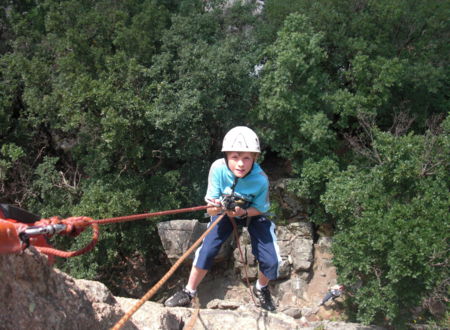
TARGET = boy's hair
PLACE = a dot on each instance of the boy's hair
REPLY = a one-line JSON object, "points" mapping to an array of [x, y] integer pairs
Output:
{"points": [[254, 154]]}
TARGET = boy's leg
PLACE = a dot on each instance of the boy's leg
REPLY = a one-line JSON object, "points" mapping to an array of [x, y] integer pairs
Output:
{"points": [[204, 256], [263, 280], [196, 276], [264, 246], [265, 249], [211, 244]]}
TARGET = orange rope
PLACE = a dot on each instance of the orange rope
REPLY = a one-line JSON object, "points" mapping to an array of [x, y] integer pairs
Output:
{"points": [[158, 285], [238, 244], [194, 317], [69, 254], [75, 225], [148, 215]]}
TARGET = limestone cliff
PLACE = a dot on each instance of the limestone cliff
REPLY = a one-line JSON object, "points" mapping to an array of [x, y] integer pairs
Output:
{"points": [[34, 295]]}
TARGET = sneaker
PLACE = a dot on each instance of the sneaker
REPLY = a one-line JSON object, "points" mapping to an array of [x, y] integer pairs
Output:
{"points": [[181, 298], [265, 299]]}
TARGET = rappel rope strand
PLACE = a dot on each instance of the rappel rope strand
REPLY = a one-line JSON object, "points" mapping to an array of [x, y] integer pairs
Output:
{"points": [[243, 261], [239, 245], [158, 285], [194, 317]]}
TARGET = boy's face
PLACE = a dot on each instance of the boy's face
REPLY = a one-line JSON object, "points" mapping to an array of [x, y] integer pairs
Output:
{"points": [[240, 163]]}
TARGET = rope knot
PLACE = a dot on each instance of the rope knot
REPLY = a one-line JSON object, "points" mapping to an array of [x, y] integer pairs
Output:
{"points": [[48, 221], [75, 225]]}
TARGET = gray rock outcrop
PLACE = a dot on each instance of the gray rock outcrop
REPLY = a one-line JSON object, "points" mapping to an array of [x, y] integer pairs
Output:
{"points": [[34, 295], [178, 235], [295, 242]]}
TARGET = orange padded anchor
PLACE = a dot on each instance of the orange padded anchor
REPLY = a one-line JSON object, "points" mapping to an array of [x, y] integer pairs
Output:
{"points": [[9, 238]]}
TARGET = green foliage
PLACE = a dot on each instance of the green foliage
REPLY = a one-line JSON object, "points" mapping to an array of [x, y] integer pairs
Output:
{"points": [[274, 15], [398, 49], [292, 83], [341, 85], [113, 108], [9, 155], [102, 200], [293, 86], [142, 39], [201, 87], [118, 108], [393, 224], [311, 183]]}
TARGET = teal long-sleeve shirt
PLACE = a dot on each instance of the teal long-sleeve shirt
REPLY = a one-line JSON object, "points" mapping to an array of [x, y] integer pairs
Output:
{"points": [[254, 187]]}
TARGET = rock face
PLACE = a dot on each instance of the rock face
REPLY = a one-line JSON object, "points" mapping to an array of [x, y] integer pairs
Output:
{"points": [[226, 279], [245, 317], [178, 235], [33, 295]]}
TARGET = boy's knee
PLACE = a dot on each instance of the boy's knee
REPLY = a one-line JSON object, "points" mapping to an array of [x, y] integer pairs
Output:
{"points": [[270, 270], [209, 256]]}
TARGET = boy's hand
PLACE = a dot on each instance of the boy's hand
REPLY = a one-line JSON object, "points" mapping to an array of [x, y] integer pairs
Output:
{"points": [[214, 207], [237, 212]]}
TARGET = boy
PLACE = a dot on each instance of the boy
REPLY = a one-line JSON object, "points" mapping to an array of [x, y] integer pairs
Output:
{"points": [[239, 175]]}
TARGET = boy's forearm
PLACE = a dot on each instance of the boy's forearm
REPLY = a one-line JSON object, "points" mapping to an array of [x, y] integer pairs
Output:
{"points": [[251, 212]]}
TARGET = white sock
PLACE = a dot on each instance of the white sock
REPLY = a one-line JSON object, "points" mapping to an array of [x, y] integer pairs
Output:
{"points": [[259, 286], [191, 292]]}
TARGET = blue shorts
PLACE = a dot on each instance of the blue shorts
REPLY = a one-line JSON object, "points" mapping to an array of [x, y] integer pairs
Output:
{"points": [[263, 239]]}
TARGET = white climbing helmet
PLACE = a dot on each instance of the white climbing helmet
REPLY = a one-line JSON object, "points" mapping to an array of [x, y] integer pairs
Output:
{"points": [[241, 139]]}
